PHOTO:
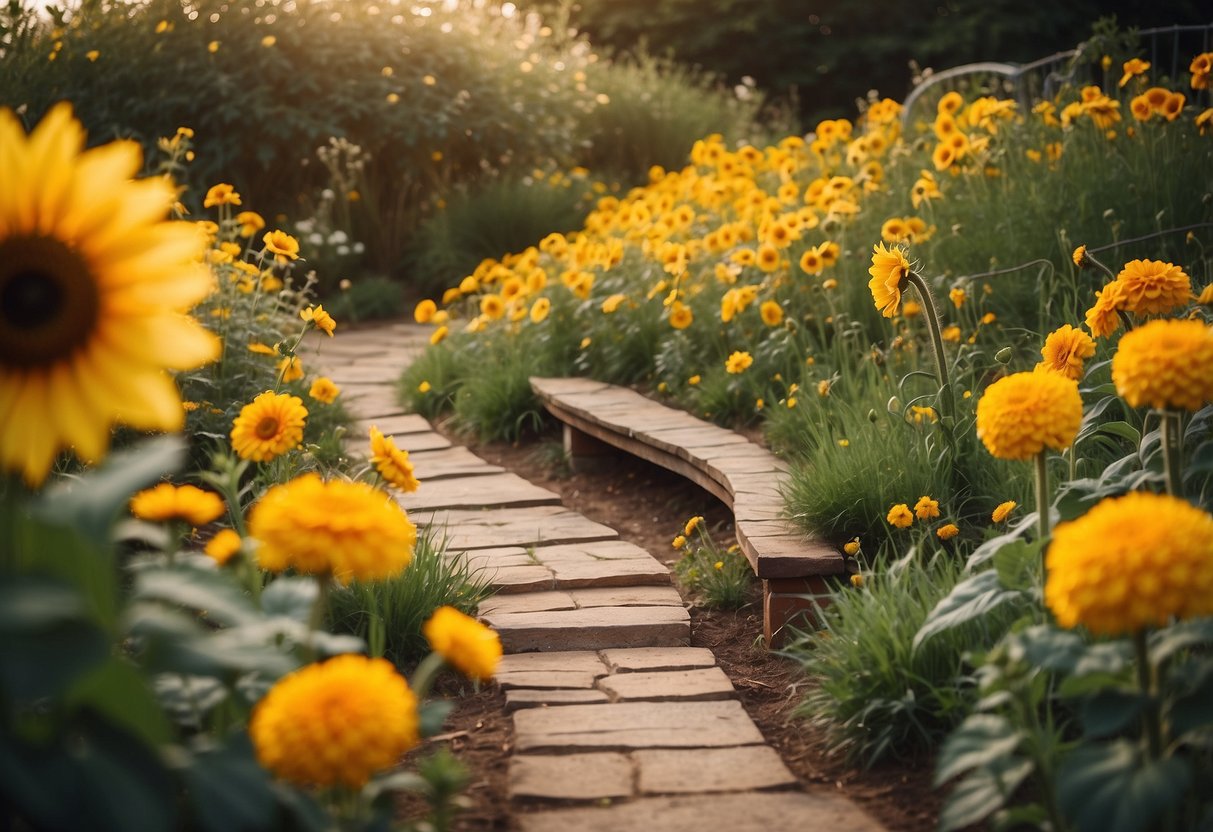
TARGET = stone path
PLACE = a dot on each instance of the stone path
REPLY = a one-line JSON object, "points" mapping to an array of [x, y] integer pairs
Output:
{"points": [[619, 725]]}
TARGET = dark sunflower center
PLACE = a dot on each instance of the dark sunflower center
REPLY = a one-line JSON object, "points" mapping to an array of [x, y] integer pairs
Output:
{"points": [[49, 302], [267, 428]]}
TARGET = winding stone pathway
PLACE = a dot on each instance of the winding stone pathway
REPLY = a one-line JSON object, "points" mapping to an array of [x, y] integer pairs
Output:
{"points": [[618, 724]]}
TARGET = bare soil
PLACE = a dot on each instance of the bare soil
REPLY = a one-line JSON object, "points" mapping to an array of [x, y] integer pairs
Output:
{"points": [[648, 506]]}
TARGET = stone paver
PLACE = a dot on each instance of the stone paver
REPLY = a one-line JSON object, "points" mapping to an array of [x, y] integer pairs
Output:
{"points": [[571, 777], [489, 491], [591, 627], [536, 526], [530, 698], [658, 658], [702, 770], [702, 684], [394, 425], [633, 725], [584, 661], [451, 462]]}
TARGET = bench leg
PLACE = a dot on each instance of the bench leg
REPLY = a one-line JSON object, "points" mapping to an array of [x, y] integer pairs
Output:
{"points": [[790, 601], [586, 454]]}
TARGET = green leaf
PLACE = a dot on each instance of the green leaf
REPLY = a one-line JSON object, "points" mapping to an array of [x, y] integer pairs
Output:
{"points": [[1110, 710], [432, 716], [228, 789], [1018, 564], [92, 502], [1122, 430], [214, 594], [984, 791], [1048, 648], [979, 741], [968, 601], [120, 693], [48, 637], [1192, 708], [291, 598], [1109, 787], [1165, 643]]}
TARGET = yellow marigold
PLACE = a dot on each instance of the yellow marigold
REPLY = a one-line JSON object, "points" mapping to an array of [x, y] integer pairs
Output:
{"points": [[250, 223], [1165, 364], [1003, 510], [424, 311], [439, 334], [900, 516], [1022, 414], [678, 542], [1103, 318], [335, 723], [167, 502], [888, 271], [472, 648], [857, 580], [811, 262], [851, 547], [1129, 563], [1149, 287], [322, 319], [681, 316], [540, 309], [324, 390], [771, 312], [269, 426], [957, 296], [1065, 350], [947, 531], [221, 194], [283, 246], [692, 524], [926, 508], [223, 546], [391, 462], [738, 362], [345, 529]]}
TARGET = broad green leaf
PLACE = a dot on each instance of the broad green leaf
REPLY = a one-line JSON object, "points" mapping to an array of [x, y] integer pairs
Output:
{"points": [[432, 716], [978, 741], [984, 791], [291, 598], [117, 691], [969, 600], [212, 593], [1165, 643], [1110, 787], [1018, 564], [1110, 711], [189, 699], [48, 637], [1123, 430], [1048, 648], [228, 789], [1192, 708]]}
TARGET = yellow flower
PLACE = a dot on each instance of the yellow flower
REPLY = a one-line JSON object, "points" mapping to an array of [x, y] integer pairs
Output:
{"points": [[221, 194], [268, 41], [957, 296], [900, 516], [322, 319], [1131, 562], [283, 246], [345, 529], [926, 508], [857, 580], [1206, 296], [290, 367], [472, 648], [1133, 67], [692, 524], [693, 380], [681, 316], [269, 426], [223, 546], [1065, 350], [492, 306], [250, 223], [1165, 364], [167, 502], [738, 362], [888, 271], [718, 565], [540, 309], [1003, 510], [923, 414], [612, 303], [1022, 414], [437, 336], [424, 387], [391, 462], [1102, 318], [212, 47], [768, 257], [335, 723], [1149, 287], [1079, 256], [93, 54], [851, 547], [678, 542], [771, 313], [947, 532], [811, 262], [94, 285], [324, 390], [950, 333], [424, 311], [823, 387]]}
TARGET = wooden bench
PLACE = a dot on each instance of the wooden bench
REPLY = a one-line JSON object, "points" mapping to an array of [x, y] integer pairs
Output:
{"points": [[599, 418]]}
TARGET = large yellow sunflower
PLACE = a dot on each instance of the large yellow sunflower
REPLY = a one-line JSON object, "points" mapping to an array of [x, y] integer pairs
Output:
{"points": [[93, 286]]}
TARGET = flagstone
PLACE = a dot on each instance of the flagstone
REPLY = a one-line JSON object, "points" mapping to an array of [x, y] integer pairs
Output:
{"points": [[632, 725], [596, 627], [657, 658], [584, 661], [669, 686], [467, 529], [494, 490], [678, 771], [519, 698], [450, 462], [394, 425], [571, 777]]}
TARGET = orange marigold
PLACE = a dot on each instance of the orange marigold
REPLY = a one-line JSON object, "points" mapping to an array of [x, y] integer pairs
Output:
{"points": [[464, 642], [1150, 287], [1131, 562], [1165, 364], [167, 502], [1065, 350], [900, 516], [1022, 414]]}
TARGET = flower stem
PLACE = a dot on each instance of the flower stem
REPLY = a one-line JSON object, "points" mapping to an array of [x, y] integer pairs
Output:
{"points": [[941, 361], [427, 671], [1042, 494], [1101, 266], [319, 611], [1145, 679], [1172, 453]]}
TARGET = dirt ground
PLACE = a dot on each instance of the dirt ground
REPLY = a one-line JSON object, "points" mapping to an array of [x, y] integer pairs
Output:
{"points": [[648, 506]]}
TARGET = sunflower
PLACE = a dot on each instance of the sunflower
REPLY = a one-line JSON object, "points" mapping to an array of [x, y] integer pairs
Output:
{"points": [[889, 270], [269, 426], [93, 284]]}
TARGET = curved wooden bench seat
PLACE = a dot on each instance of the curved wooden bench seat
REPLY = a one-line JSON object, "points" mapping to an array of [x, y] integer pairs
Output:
{"points": [[599, 418]]}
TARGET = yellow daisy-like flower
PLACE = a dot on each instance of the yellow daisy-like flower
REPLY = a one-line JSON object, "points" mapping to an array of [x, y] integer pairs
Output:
{"points": [[900, 516], [1165, 364], [692, 524], [771, 313], [424, 311], [540, 310], [439, 335], [269, 426], [768, 257], [681, 316], [93, 286], [492, 307], [1003, 510], [345, 529], [738, 362], [1129, 563], [167, 502], [694, 380], [221, 194], [612, 303], [1079, 256], [324, 390], [1022, 414], [1102, 318], [335, 723], [888, 271], [472, 648], [322, 319], [857, 580], [223, 546], [678, 542], [851, 547], [811, 262], [391, 462], [957, 296], [1065, 350], [926, 508], [283, 246], [1150, 287], [1133, 67], [250, 223], [947, 531]]}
